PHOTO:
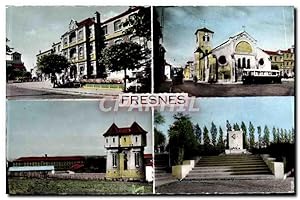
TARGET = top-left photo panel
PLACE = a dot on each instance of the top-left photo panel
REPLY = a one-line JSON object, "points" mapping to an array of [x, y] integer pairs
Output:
{"points": [[75, 52]]}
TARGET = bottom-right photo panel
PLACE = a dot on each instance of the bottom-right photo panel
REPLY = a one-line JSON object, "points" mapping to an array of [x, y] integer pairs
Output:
{"points": [[243, 145]]}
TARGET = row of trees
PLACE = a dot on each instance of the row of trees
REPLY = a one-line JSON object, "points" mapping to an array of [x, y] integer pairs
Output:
{"points": [[187, 140], [118, 57]]}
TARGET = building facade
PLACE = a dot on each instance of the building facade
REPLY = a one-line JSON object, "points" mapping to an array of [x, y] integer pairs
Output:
{"points": [[188, 70], [225, 62], [283, 60], [125, 152], [82, 43], [59, 162]]}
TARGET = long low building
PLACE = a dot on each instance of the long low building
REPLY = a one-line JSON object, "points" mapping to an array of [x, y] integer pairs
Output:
{"points": [[30, 170]]}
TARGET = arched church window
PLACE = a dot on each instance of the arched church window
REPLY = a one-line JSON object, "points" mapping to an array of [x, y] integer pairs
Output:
{"points": [[222, 60], [207, 38], [239, 63], [248, 63], [244, 63], [203, 38], [261, 61]]}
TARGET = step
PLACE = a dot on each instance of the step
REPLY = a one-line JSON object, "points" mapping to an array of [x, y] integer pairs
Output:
{"points": [[229, 169], [164, 182], [264, 171], [163, 177], [230, 164], [232, 177]]}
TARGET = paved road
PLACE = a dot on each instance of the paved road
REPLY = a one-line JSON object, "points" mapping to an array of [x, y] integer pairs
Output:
{"points": [[13, 92], [229, 187], [233, 90]]}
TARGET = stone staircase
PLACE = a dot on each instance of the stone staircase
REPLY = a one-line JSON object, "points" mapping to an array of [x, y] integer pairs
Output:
{"points": [[230, 167], [162, 172]]}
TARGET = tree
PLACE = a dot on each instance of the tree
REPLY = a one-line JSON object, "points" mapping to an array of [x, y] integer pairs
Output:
{"points": [[198, 133], [259, 136], [236, 127], [290, 137], [278, 135], [282, 139], [245, 137], [274, 133], [213, 132], [158, 118], [285, 136], [266, 138], [228, 126], [251, 135], [221, 144], [293, 136], [139, 25], [159, 137], [206, 139], [182, 140], [123, 56], [8, 48], [53, 63]]}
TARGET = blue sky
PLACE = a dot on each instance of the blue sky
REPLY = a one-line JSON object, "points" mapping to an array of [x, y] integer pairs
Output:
{"points": [[261, 111], [272, 27], [35, 128], [34, 28]]}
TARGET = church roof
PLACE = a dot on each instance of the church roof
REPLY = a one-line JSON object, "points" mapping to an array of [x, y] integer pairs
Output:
{"points": [[135, 128], [203, 30], [271, 52], [235, 36]]}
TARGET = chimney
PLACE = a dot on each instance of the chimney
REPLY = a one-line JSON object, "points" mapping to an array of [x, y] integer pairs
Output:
{"points": [[46, 155], [40, 51], [97, 17]]}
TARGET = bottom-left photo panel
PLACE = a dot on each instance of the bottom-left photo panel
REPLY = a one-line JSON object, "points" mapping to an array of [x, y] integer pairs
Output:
{"points": [[77, 148]]}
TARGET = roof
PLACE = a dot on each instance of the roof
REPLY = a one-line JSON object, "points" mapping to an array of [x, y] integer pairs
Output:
{"points": [[54, 158], [30, 168], [135, 128], [130, 10], [203, 30], [86, 22], [271, 52]]}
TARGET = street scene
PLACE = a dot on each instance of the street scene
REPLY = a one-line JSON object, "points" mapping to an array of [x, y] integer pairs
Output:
{"points": [[197, 49], [56, 149], [222, 150], [103, 50]]}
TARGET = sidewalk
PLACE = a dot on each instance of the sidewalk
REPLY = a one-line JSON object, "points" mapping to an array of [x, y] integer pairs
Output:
{"points": [[47, 86]]}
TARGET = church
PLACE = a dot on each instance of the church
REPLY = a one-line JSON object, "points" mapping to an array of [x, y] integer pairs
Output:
{"points": [[226, 62]]}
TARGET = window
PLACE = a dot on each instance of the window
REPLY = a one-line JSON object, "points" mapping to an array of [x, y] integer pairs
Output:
{"points": [[65, 41], [244, 62], [113, 140], [104, 29], [117, 25], [136, 139], [203, 38], [239, 63], [80, 51], [222, 60], [248, 63], [207, 38], [137, 159], [81, 70], [72, 37], [106, 140], [124, 139], [91, 29], [91, 48], [80, 35], [92, 68], [114, 160], [261, 61]]}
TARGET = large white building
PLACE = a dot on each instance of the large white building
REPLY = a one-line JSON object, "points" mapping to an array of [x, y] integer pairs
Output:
{"points": [[83, 41]]}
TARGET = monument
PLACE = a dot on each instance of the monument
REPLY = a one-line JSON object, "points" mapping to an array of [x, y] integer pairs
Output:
{"points": [[235, 143]]}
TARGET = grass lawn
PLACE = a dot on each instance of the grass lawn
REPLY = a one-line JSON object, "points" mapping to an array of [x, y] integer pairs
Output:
{"points": [[30, 186]]}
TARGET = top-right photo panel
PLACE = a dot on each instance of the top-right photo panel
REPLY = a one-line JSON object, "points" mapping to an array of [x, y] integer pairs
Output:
{"points": [[224, 51]]}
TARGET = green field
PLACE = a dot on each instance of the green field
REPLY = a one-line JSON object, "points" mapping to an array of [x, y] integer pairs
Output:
{"points": [[29, 186]]}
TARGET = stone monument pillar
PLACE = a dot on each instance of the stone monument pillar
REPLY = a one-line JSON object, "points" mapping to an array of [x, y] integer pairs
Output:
{"points": [[235, 143]]}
